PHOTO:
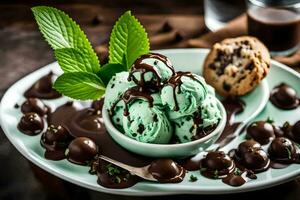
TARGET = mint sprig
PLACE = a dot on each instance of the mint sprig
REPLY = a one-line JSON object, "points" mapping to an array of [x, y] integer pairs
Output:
{"points": [[83, 76], [80, 85], [72, 60], [128, 41]]}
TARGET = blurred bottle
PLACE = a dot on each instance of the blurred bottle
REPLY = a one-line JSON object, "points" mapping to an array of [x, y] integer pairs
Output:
{"points": [[276, 23], [218, 12]]}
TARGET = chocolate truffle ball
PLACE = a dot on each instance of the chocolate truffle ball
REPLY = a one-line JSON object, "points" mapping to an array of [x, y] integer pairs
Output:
{"points": [[166, 171], [82, 151], [247, 146], [284, 96], [282, 150], [216, 164], [56, 137], [31, 124], [251, 156], [34, 105], [261, 132]]}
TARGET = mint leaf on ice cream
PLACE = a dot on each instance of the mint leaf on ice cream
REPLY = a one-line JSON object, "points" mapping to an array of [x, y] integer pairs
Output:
{"points": [[128, 41], [83, 77], [72, 60], [80, 85], [60, 31]]}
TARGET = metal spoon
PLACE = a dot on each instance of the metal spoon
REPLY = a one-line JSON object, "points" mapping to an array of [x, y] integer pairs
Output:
{"points": [[142, 172]]}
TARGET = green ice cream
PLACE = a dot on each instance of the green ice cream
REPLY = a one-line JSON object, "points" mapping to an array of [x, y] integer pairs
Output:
{"points": [[186, 127], [117, 85], [189, 95], [147, 124], [152, 67]]}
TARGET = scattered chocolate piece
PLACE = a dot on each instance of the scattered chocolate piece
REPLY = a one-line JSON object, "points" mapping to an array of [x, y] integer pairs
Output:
{"points": [[43, 89], [283, 150], [216, 164], [167, 171], [251, 156], [292, 132], [261, 131], [16, 106], [111, 176], [31, 124], [82, 151], [56, 140], [34, 105], [284, 97]]}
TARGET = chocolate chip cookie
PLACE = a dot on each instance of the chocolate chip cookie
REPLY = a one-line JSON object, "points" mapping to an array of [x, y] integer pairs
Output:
{"points": [[235, 66]]}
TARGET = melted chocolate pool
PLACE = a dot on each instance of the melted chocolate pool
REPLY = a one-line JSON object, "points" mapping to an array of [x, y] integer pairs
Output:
{"points": [[43, 89]]}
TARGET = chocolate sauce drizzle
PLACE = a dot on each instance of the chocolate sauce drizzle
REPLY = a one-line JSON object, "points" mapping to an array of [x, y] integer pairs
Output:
{"points": [[143, 68], [144, 88], [175, 82]]}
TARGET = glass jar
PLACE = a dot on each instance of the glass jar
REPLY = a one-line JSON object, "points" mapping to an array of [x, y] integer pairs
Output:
{"points": [[276, 23], [218, 12]]}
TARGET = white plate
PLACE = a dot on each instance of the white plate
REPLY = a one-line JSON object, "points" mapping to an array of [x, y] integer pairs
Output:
{"points": [[183, 59]]}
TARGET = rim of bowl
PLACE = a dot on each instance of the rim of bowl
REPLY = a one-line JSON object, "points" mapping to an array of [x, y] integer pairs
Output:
{"points": [[218, 129]]}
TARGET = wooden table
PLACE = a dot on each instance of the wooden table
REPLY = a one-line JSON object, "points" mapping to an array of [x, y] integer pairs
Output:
{"points": [[22, 50]]}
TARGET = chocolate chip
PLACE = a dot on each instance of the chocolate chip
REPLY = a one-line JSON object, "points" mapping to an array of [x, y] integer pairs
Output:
{"points": [[250, 66], [226, 86]]}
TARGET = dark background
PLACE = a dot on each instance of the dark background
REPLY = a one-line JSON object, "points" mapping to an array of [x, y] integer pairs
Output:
{"points": [[22, 50]]}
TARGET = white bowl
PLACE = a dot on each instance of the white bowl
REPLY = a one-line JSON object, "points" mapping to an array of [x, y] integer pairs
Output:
{"points": [[165, 150]]}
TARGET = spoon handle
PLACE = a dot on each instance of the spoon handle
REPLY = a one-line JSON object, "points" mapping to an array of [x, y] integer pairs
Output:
{"points": [[138, 171], [117, 163]]}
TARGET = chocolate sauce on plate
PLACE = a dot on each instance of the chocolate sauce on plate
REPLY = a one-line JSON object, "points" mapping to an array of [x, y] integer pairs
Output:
{"points": [[233, 106], [93, 127], [284, 97], [43, 89], [35, 105]]}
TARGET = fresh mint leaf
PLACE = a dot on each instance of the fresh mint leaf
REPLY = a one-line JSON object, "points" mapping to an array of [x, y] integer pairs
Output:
{"points": [[60, 31], [80, 85], [109, 70], [73, 60], [128, 41]]}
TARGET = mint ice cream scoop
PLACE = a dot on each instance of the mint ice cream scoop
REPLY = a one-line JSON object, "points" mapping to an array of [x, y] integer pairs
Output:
{"points": [[183, 94], [151, 71], [115, 88], [147, 124], [200, 123]]}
